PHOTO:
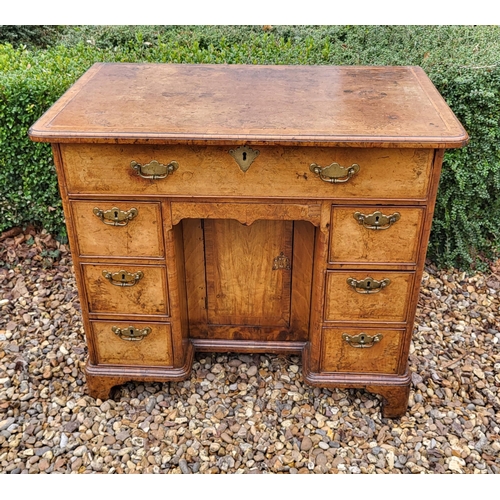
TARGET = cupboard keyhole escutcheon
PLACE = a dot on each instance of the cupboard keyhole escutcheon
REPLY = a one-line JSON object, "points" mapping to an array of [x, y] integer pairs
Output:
{"points": [[281, 262], [244, 156], [377, 220], [362, 340], [123, 278], [154, 169], [115, 216], [334, 173], [368, 285], [131, 333]]}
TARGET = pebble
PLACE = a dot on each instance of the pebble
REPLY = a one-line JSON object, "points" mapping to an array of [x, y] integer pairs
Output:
{"points": [[306, 444], [79, 451], [184, 466], [456, 464], [151, 404], [4, 424], [244, 413], [64, 441]]}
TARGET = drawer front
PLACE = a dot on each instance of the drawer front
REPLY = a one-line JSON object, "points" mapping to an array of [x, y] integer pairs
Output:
{"points": [[154, 349], [125, 288], [118, 229], [367, 296], [341, 355], [276, 172], [354, 242]]}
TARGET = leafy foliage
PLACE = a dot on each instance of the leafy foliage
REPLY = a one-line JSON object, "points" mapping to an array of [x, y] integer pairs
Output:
{"points": [[30, 35], [462, 61]]}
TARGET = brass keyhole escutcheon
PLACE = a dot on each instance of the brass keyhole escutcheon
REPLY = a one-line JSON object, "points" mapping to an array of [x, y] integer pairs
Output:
{"points": [[377, 220], [131, 333], [363, 340], [123, 278], [368, 285], [281, 262], [115, 216], [244, 156]]}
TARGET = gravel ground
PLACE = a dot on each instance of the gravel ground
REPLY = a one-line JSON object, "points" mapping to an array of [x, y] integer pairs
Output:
{"points": [[240, 413]]}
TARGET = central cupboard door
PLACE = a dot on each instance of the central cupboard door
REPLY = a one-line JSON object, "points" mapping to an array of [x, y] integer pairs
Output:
{"points": [[248, 272], [248, 282]]}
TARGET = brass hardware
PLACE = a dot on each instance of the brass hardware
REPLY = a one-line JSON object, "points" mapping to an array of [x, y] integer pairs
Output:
{"points": [[334, 173], [123, 278], [115, 216], [281, 262], [244, 156], [154, 169], [377, 220], [368, 285], [131, 333], [362, 340]]}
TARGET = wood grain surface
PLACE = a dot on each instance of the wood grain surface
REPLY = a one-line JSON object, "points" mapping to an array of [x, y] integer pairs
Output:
{"points": [[141, 237], [351, 242], [343, 303], [153, 350], [277, 172], [147, 296], [334, 105], [242, 286], [206, 237], [383, 357]]}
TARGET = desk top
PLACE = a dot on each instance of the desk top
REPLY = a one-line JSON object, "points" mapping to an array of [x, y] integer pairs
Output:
{"points": [[357, 106]]}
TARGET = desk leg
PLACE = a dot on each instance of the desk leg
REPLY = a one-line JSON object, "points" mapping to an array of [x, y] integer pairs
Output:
{"points": [[395, 402], [102, 378], [100, 387]]}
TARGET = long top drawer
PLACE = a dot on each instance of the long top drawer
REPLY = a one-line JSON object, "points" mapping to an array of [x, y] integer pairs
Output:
{"points": [[275, 172]]}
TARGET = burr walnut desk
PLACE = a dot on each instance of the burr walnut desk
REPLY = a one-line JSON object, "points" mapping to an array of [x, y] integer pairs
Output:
{"points": [[251, 209]]}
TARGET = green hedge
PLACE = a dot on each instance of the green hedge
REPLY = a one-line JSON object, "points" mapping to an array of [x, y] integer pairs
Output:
{"points": [[462, 61], [30, 35]]}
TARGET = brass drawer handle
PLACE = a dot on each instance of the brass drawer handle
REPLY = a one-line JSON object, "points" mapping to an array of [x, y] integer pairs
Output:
{"points": [[115, 216], [362, 340], [123, 278], [131, 333], [368, 285], [334, 173], [154, 169], [377, 220]]}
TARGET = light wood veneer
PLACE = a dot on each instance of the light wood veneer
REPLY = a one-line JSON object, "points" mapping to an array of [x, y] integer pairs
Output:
{"points": [[250, 257]]}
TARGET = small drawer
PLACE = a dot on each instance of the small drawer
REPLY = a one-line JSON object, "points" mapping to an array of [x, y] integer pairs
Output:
{"points": [[366, 350], [132, 343], [275, 172], [126, 288], [356, 239], [118, 229], [367, 296]]}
